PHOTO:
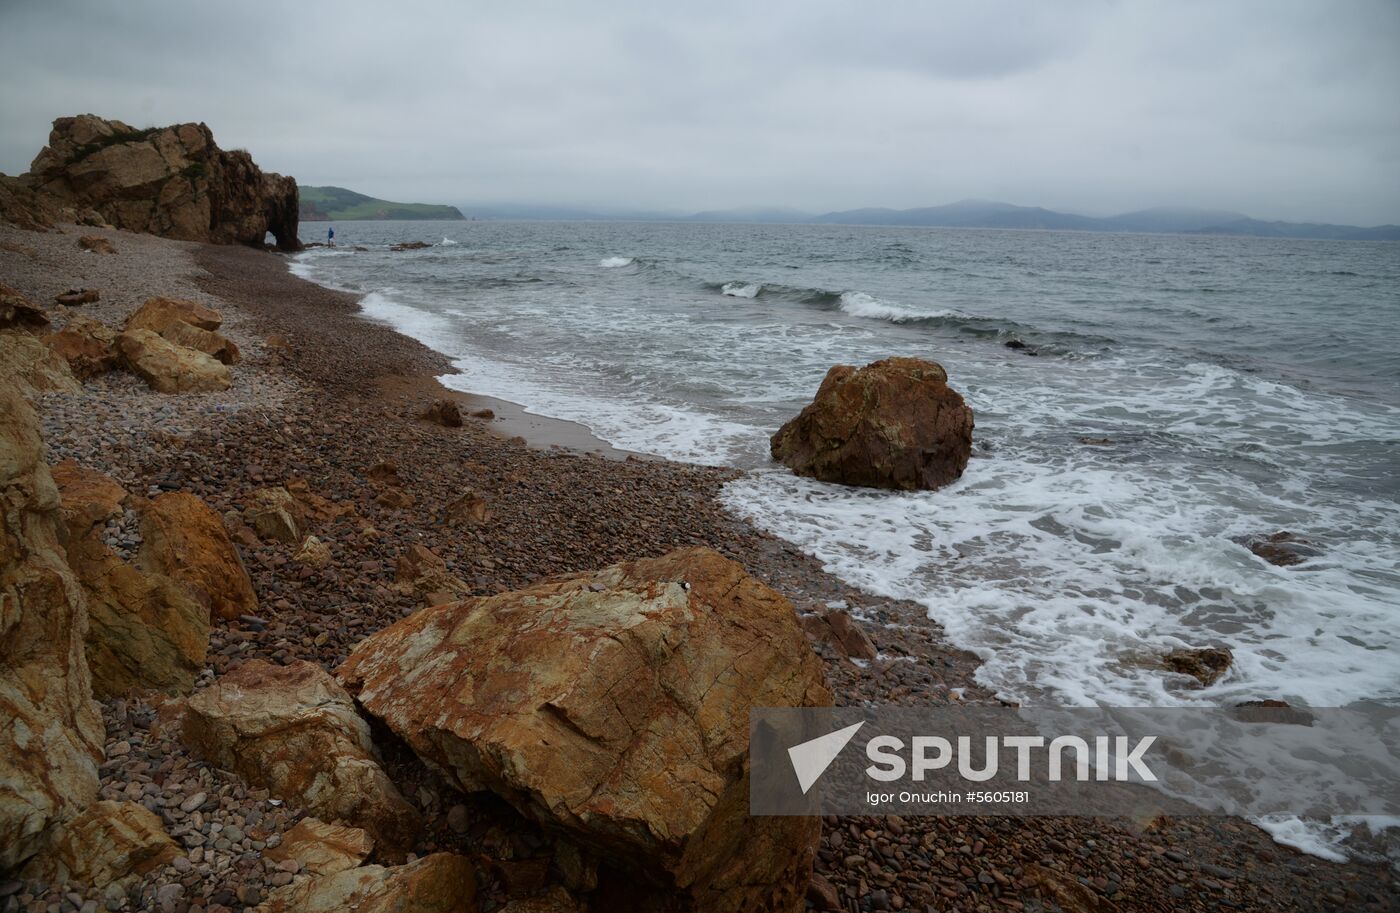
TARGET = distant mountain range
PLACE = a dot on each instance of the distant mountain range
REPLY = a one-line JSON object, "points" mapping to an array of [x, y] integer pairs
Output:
{"points": [[973, 214], [321, 204]]}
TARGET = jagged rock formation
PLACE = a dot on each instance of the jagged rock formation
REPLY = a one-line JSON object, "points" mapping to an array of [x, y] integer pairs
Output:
{"points": [[614, 706], [891, 424], [50, 731], [169, 181]]}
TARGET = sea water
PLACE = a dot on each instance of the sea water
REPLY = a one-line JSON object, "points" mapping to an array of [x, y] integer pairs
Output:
{"points": [[1184, 391]]}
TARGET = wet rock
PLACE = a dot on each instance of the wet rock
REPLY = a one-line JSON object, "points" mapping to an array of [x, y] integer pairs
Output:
{"points": [[410, 245], [444, 412], [170, 368], [440, 883], [50, 732], [614, 706], [892, 424], [184, 539], [89, 346], [842, 632], [1282, 549], [322, 849], [295, 731], [110, 843], [1205, 664]]}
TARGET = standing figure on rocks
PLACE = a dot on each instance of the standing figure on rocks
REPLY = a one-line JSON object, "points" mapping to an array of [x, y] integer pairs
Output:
{"points": [[330, 236]]}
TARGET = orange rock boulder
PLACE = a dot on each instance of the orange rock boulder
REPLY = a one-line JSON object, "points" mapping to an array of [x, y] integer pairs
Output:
{"points": [[615, 706], [892, 424]]}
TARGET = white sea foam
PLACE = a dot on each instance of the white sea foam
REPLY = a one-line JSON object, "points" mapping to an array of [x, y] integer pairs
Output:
{"points": [[741, 289], [859, 304], [614, 262], [447, 242]]}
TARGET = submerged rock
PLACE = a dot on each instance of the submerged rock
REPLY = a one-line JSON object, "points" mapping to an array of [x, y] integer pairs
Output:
{"points": [[1282, 549], [614, 706], [1206, 665], [892, 424]]}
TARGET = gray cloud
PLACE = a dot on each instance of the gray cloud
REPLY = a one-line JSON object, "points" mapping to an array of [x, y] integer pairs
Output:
{"points": [[1280, 109]]}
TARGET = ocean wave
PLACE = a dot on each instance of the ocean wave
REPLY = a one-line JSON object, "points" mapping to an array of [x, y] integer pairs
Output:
{"points": [[447, 242], [741, 289], [859, 304], [616, 262]]}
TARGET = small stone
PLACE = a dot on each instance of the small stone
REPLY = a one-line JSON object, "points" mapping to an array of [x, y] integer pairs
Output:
{"points": [[193, 802], [457, 818]]}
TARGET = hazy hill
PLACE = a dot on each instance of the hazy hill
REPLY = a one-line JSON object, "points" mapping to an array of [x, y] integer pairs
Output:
{"points": [[320, 204]]}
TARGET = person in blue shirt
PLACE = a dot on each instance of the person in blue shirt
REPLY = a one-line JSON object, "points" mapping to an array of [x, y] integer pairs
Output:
{"points": [[330, 235]]}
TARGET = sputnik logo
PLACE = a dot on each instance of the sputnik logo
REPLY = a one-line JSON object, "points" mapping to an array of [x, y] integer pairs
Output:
{"points": [[810, 759]]}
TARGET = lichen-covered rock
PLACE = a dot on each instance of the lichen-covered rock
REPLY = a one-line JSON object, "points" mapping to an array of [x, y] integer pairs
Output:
{"points": [[891, 424], [184, 539], [29, 366], [50, 731], [615, 706], [321, 848], [440, 883], [295, 731], [89, 346], [274, 513], [158, 313], [171, 368], [145, 630], [111, 843], [171, 181], [19, 313]]}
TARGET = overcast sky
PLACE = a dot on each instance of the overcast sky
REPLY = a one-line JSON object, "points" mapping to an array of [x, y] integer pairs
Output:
{"points": [[1280, 109]]}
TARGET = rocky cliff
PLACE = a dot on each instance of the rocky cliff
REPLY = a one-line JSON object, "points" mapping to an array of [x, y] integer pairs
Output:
{"points": [[169, 181]]}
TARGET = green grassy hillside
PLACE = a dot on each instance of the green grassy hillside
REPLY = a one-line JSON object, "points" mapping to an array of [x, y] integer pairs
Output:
{"points": [[341, 205]]}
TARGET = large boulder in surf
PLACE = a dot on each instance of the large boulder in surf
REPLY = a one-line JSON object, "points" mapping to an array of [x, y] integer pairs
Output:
{"points": [[891, 424], [169, 181], [50, 732], [615, 706]]}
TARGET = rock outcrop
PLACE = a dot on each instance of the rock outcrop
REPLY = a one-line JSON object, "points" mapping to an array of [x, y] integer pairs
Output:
{"points": [[440, 883], [171, 181], [50, 732], [111, 843], [185, 540], [145, 630], [614, 706], [89, 346], [295, 731], [168, 367], [892, 424]]}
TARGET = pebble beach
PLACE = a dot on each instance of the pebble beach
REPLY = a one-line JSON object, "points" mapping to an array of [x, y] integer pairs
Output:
{"points": [[329, 403]]}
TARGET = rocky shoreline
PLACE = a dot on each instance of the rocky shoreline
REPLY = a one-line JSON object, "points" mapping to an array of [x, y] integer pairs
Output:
{"points": [[329, 407]]}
